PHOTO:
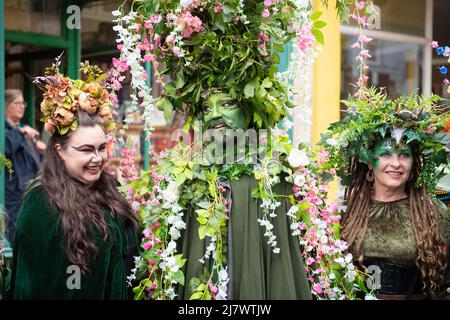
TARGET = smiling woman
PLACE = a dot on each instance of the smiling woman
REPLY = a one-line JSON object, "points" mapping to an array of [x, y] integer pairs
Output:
{"points": [[76, 234]]}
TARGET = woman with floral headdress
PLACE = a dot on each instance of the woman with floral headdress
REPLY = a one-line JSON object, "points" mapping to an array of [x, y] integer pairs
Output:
{"points": [[387, 153], [74, 230]]}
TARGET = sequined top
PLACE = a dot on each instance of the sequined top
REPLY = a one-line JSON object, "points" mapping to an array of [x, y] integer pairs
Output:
{"points": [[390, 235]]}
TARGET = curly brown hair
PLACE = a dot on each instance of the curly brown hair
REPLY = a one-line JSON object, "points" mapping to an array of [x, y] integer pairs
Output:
{"points": [[431, 257], [81, 207]]}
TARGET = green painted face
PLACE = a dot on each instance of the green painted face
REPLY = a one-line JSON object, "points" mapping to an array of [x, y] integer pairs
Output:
{"points": [[387, 148], [221, 111]]}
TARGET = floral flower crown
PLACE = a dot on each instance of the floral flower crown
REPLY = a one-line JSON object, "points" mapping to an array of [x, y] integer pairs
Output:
{"points": [[412, 119], [64, 96]]}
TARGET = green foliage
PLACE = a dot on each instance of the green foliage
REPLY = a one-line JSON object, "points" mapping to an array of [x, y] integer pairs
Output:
{"points": [[228, 56]]}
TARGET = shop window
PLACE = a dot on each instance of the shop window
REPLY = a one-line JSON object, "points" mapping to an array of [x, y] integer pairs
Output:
{"points": [[36, 16]]}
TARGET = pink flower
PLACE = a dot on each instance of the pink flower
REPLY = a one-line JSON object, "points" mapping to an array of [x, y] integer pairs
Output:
{"points": [[147, 233], [268, 3], [190, 23], [148, 24], [171, 17], [218, 8], [306, 38], [446, 82], [265, 14], [362, 21], [365, 54], [170, 39], [353, 16], [364, 39], [148, 245], [434, 44], [361, 5], [120, 64], [176, 51], [317, 288], [310, 261], [355, 45], [156, 18]]}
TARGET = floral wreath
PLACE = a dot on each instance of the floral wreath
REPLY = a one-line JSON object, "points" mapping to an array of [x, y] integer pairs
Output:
{"points": [[372, 117], [63, 96]]}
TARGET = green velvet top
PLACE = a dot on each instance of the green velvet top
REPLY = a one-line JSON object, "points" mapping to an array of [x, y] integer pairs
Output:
{"points": [[390, 234], [41, 268]]}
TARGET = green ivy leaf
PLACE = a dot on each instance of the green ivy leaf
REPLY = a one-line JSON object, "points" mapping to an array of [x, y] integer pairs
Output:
{"points": [[179, 277], [188, 174], [196, 295], [202, 232], [316, 15], [204, 205], [319, 36], [319, 24], [249, 89], [202, 220]]}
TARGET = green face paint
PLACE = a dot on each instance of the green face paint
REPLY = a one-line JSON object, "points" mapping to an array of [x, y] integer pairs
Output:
{"points": [[220, 110], [388, 147]]}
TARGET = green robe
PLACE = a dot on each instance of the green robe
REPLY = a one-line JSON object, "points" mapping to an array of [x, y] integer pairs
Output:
{"points": [[41, 268], [256, 272]]}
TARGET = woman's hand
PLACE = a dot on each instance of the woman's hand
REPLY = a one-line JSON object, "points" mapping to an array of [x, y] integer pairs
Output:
{"points": [[40, 147], [29, 131]]}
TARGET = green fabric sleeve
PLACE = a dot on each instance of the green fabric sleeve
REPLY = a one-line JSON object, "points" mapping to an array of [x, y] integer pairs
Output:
{"points": [[37, 251]]}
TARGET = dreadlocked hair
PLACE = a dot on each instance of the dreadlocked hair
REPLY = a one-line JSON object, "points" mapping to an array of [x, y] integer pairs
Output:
{"points": [[431, 254]]}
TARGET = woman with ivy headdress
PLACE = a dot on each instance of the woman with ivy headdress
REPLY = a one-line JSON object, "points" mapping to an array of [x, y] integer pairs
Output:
{"points": [[74, 229], [390, 155]]}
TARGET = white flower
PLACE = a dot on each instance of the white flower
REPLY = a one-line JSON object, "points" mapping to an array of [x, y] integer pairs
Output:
{"points": [[299, 180], [298, 158], [223, 275], [221, 294], [292, 211], [276, 250], [170, 194], [348, 258], [170, 293], [186, 3], [302, 3], [332, 142], [370, 297], [341, 261], [116, 13], [171, 246]]}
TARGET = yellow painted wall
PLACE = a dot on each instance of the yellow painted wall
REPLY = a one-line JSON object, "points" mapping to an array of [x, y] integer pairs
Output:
{"points": [[327, 74], [326, 79]]}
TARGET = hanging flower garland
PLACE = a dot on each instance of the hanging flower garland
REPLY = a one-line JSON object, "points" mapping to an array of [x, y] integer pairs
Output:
{"points": [[329, 267], [188, 40]]}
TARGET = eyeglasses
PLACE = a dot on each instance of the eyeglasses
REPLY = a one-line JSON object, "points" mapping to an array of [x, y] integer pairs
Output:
{"points": [[88, 149]]}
